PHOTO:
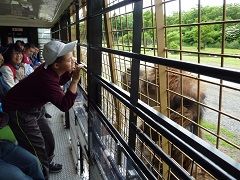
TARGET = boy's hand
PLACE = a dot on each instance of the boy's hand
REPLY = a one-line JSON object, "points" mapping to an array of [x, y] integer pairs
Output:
{"points": [[76, 73], [74, 62]]}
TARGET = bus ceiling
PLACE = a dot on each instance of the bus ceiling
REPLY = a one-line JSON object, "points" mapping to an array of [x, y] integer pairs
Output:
{"points": [[31, 13]]}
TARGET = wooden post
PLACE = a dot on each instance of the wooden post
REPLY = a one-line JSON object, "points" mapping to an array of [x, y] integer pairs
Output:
{"points": [[162, 80]]}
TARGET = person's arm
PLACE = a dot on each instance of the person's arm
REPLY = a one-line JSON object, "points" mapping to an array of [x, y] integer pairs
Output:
{"points": [[20, 72], [28, 69], [7, 75], [54, 93]]}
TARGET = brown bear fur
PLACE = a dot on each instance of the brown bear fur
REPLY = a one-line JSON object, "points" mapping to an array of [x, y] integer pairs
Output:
{"points": [[188, 85]]}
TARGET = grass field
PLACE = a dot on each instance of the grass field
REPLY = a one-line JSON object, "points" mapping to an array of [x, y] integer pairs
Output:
{"points": [[207, 59], [223, 146], [224, 132]]}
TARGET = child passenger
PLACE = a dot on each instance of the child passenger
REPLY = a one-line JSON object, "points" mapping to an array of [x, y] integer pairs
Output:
{"points": [[25, 102], [12, 58]]}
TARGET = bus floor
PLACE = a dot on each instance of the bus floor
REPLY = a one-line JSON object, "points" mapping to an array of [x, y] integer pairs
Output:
{"points": [[62, 147]]}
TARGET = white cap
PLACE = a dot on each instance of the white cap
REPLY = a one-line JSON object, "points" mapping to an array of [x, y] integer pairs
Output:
{"points": [[54, 49]]}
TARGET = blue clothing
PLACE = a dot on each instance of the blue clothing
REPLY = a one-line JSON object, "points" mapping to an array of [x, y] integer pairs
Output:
{"points": [[7, 170], [17, 163], [35, 61], [28, 69]]}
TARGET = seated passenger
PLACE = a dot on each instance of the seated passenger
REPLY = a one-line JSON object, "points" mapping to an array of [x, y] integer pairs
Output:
{"points": [[25, 101], [35, 58], [4, 87], [27, 53], [20, 44], [16, 163], [12, 58]]}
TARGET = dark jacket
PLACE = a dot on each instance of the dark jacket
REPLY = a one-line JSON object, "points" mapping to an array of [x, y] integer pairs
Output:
{"points": [[40, 87]]}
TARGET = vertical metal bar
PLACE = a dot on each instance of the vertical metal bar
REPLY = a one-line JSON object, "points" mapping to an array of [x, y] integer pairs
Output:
{"points": [[63, 29], [67, 119], [199, 30], [162, 80], [196, 129], [73, 18], [153, 30], [221, 81], [137, 31], [128, 38], [68, 23], [180, 28], [94, 64], [109, 41], [52, 34], [77, 30], [85, 25], [81, 159], [180, 54], [120, 16], [181, 77]]}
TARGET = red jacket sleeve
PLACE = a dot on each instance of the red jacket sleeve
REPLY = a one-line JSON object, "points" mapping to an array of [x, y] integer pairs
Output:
{"points": [[54, 94]]}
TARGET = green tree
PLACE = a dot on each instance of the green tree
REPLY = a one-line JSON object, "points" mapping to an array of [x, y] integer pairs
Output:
{"points": [[210, 34], [147, 19], [173, 39]]}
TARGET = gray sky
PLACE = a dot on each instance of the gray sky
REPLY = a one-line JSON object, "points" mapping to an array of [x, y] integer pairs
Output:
{"points": [[188, 4]]}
